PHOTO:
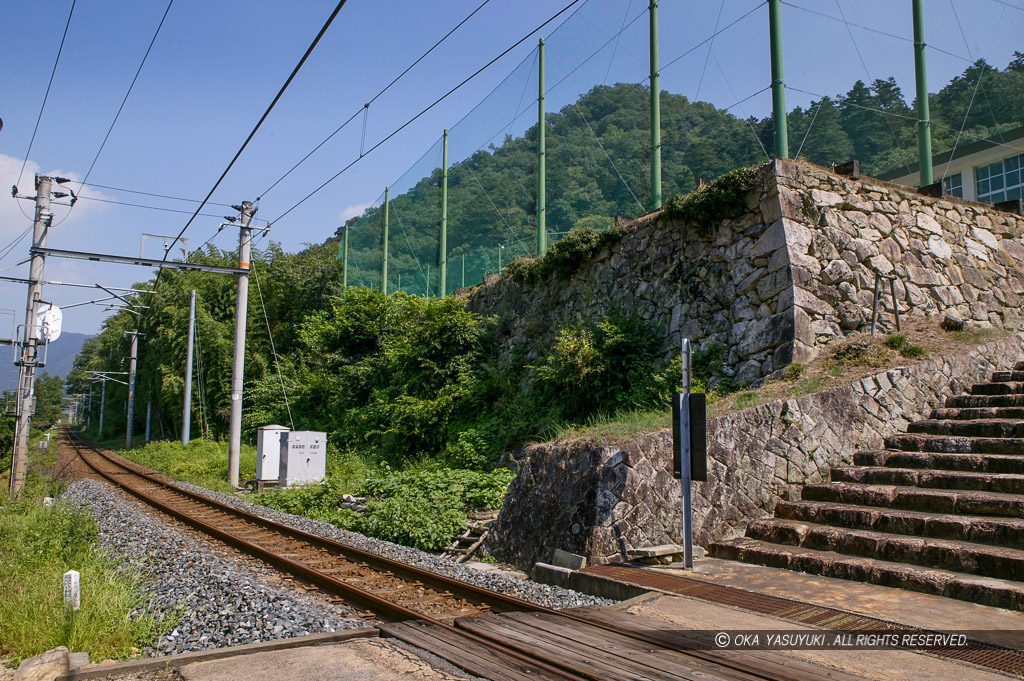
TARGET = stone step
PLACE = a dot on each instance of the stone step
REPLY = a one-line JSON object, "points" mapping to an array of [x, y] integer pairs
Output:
{"points": [[1009, 388], [918, 498], [920, 442], [1007, 376], [976, 529], [941, 554], [961, 401], [931, 479], [1019, 366], [976, 413], [978, 463], [975, 428], [984, 590]]}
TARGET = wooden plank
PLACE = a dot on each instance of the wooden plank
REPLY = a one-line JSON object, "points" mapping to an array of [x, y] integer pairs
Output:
{"points": [[575, 650], [671, 636], [680, 663], [467, 654]]}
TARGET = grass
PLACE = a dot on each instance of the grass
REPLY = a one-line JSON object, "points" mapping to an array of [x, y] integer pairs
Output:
{"points": [[201, 462], [849, 359], [38, 544]]}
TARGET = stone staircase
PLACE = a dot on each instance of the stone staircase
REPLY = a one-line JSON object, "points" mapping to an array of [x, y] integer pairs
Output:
{"points": [[940, 510]]}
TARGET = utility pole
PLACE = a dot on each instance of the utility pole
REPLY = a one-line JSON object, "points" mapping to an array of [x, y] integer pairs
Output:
{"points": [[778, 82], [344, 261], [186, 411], [238, 365], [384, 245], [133, 357], [542, 210], [442, 246], [655, 111], [103, 405], [924, 123], [29, 355]]}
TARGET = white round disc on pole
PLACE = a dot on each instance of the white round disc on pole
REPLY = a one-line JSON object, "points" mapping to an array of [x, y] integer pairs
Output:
{"points": [[49, 321]]}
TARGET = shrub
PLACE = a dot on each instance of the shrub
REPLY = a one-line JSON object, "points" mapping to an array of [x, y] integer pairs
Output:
{"points": [[567, 255], [900, 343], [709, 204], [793, 371]]}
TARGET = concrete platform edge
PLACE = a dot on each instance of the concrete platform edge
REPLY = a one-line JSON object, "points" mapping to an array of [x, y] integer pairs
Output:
{"points": [[182, 659], [592, 585]]}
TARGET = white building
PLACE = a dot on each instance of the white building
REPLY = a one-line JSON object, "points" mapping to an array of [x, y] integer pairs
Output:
{"points": [[990, 170]]}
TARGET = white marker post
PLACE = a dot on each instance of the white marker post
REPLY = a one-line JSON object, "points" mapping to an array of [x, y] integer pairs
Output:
{"points": [[72, 590]]}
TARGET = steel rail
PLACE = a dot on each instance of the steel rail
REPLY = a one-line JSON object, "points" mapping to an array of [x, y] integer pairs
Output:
{"points": [[381, 606], [380, 563]]}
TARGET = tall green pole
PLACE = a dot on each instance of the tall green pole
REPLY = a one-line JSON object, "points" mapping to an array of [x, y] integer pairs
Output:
{"points": [[778, 83], [924, 123], [344, 262], [442, 246], [384, 246], [463, 271], [542, 208], [655, 111]]}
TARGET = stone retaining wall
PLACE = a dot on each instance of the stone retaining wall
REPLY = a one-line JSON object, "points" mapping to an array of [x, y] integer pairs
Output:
{"points": [[794, 271], [600, 501]]}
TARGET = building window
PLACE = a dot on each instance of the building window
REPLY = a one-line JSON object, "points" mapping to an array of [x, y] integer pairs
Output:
{"points": [[953, 185], [1001, 180]]}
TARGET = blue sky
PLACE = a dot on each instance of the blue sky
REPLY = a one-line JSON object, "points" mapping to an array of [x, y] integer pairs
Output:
{"points": [[217, 65]]}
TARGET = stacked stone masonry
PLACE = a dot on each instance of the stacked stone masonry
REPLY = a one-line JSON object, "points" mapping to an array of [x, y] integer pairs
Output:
{"points": [[601, 501], [796, 270]]}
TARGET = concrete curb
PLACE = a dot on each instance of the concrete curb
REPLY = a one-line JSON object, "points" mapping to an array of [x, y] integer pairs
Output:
{"points": [[583, 582], [182, 659]]}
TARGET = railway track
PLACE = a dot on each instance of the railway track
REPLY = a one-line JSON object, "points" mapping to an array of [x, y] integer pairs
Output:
{"points": [[486, 633]]}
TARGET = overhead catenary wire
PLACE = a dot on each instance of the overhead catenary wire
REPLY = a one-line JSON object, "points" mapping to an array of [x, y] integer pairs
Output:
{"points": [[273, 348], [417, 116], [46, 96], [366, 107], [259, 123]]}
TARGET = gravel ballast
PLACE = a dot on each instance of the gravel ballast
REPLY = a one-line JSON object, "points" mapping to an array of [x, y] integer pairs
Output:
{"points": [[540, 594], [218, 600]]}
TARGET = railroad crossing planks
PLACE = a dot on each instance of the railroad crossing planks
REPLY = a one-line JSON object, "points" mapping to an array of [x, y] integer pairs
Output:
{"points": [[530, 646]]}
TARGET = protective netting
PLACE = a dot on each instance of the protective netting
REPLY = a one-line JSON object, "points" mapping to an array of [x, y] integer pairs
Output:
{"points": [[715, 111]]}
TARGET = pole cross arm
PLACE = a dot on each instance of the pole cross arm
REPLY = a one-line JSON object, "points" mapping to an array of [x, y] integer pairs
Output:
{"points": [[142, 262]]}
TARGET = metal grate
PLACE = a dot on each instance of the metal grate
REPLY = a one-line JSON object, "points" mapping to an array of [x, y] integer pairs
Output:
{"points": [[981, 653]]}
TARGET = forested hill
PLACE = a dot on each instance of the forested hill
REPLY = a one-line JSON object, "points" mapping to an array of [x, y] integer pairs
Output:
{"points": [[606, 134]]}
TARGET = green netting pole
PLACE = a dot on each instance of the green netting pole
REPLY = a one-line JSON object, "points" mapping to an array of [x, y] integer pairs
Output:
{"points": [[463, 271], [344, 262], [655, 112], [924, 124], [442, 246], [428, 281], [778, 83], [384, 247], [542, 209]]}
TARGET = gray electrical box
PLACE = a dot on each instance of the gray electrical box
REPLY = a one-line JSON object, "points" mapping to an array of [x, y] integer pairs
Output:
{"points": [[268, 452], [303, 457]]}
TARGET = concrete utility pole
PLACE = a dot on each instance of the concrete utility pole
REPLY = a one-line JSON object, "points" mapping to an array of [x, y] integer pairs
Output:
{"points": [[133, 357], [186, 411], [778, 80], [542, 208], [29, 354], [924, 124], [655, 110], [442, 244], [103, 404], [88, 414], [238, 365]]}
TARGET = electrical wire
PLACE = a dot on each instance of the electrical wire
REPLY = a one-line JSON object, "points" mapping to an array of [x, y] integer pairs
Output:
{"points": [[142, 193], [266, 113], [47, 95], [409, 122], [273, 349], [126, 95], [366, 107]]}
